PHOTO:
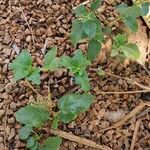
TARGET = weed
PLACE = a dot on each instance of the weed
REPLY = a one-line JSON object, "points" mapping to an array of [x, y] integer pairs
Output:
{"points": [[85, 26]]}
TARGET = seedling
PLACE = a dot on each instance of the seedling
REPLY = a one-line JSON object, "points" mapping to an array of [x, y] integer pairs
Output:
{"points": [[123, 49], [85, 26], [77, 65], [35, 114]]}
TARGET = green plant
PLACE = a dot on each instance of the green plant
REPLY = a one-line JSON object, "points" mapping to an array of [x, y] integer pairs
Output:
{"points": [[87, 26], [22, 66], [123, 49], [36, 114], [77, 68]]}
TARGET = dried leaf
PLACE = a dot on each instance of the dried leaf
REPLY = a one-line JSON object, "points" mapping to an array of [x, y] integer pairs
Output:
{"points": [[140, 38]]}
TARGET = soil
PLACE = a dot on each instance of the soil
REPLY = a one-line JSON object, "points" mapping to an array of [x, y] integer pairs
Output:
{"points": [[38, 25]]}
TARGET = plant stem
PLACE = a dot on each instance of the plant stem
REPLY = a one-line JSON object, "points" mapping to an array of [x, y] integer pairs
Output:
{"points": [[128, 79], [126, 92]]}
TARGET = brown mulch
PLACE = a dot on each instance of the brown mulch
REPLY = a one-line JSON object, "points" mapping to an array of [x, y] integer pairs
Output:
{"points": [[31, 24]]}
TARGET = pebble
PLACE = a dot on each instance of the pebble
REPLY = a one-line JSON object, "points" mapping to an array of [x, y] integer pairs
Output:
{"points": [[2, 87], [8, 87], [7, 51], [28, 39], [2, 113], [12, 134], [58, 73], [11, 120], [12, 106]]}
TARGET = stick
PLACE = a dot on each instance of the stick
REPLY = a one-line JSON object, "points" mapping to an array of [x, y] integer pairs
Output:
{"points": [[25, 18], [5, 125], [137, 125], [33, 88], [128, 116], [126, 92], [77, 139], [84, 3], [125, 78], [134, 82]]}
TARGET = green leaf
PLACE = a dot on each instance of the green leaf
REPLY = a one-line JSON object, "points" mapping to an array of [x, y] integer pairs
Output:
{"points": [[129, 15], [67, 117], [56, 121], [78, 63], [73, 104], [35, 147], [145, 8], [121, 47], [89, 28], [83, 81], [33, 115], [80, 60], [119, 41], [95, 5], [34, 76], [30, 142], [77, 33], [100, 72], [21, 65], [131, 23], [80, 10], [25, 131], [66, 61], [94, 48], [51, 143], [131, 51], [50, 61]]}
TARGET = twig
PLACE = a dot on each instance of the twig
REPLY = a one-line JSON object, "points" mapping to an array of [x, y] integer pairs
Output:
{"points": [[80, 140], [84, 3], [125, 78], [128, 116], [137, 125], [132, 81], [32, 88], [144, 67], [25, 18], [126, 92], [5, 125], [143, 113]]}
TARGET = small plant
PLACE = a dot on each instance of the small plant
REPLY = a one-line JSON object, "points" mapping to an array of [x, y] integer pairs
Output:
{"points": [[123, 49], [77, 68], [35, 114], [86, 26]]}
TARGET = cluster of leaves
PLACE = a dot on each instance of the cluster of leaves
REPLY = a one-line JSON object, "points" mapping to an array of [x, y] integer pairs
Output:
{"points": [[87, 26], [77, 65], [129, 14], [22, 66], [35, 115], [123, 49]]}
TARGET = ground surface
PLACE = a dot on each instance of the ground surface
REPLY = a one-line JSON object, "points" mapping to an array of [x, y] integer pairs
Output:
{"points": [[32, 23]]}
